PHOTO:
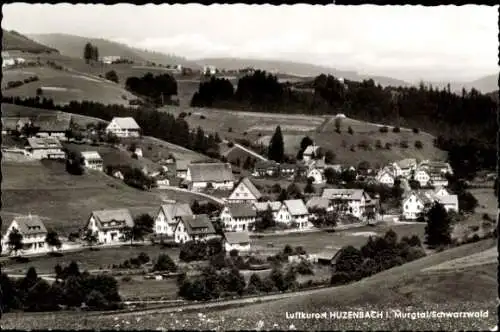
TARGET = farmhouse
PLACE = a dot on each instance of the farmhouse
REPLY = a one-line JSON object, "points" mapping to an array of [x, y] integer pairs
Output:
{"points": [[238, 216], [92, 160], [193, 228], [265, 168], [385, 177], [353, 201], [14, 124], [310, 153], [261, 207], [317, 176], [168, 216], [33, 232], [294, 211], [436, 166], [181, 168], [422, 176], [109, 225], [109, 59], [327, 257], [441, 191], [405, 167], [209, 70], [317, 203], [236, 241], [54, 126], [449, 202], [244, 191], [123, 127], [414, 204], [437, 179], [215, 175], [44, 148]]}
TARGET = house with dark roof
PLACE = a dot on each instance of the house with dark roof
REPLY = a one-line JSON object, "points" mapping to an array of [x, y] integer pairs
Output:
{"points": [[261, 207], [265, 168], [44, 148], [238, 216], [244, 191], [168, 216], [181, 168], [109, 225], [53, 126], [317, 203], [214, 175], [124, 127], [236, 241], [194, 228], [33, 231]]}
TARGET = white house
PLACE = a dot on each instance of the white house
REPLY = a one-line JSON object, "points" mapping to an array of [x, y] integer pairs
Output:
{"points": [[437, 179], [351, 201], [194, 228], [317, 175], [441, 191], [261, 207], [236, 241], [20, 61], [33, 231], [92, 160], [124, 127], [385, 177], [449, 202], [216, 175], [422, 176], [318, 203], [310, 152], [138, 152], [414, 204], [244, 191], [294, 211], [109, 225], [405, 167], [109, 59], [209, 70], [181, 168], [238, 216], [8, 62], [436, 166], [168, 216], [44, 148]]}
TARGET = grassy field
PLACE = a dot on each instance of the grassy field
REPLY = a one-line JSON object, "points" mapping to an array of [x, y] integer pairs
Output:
{"points": [[407, 288], [64, 86], [65, 201]]}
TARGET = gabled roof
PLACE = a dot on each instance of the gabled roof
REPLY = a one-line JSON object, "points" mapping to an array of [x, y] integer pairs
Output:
{"points": [[44, 143], [126, 123], [423, 196], [91, 155], [237, 237], [406, 163], [118, 218], [265, 164], [250, 186], [208, 172], [317, 202], [262, 206], [241, 210], [296, 207], [30, 225], [176, 210], [198, 224], [448, 200], [311, 149], [348, 194]]}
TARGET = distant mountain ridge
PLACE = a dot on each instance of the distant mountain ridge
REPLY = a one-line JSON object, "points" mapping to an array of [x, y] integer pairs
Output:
{"points": [[14, 41], [72, 46], [485, 84]]}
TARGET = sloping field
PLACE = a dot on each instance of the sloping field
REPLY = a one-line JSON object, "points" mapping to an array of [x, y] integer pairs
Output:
{"points": [[65, 201], [64, 86], [406, 288], [12, 40]]}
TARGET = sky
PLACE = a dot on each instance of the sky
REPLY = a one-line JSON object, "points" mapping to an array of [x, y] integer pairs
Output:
{"points": [[405, 42]]}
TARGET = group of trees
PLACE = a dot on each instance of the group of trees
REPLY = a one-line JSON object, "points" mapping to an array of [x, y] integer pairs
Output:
{"points": [[161, 125], [90, 53], [157, 89], [112, 76], [143, 225], [464, 123], [378, 254], [196, 250], [72, 288]]}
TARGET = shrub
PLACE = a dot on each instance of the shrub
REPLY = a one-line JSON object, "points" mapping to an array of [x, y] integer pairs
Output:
{"points": [[230, 130], [340, 278], [202, 117], [403, 144], [384, 129], [304, 268], [486, 217], [127, 279], [418, 144], [230, 144], [350, 131], [388, 146], [378, 144], [416, 130], [396, 129], [164, 263]]}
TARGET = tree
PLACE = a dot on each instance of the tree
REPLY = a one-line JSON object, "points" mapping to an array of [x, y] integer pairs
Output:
{"points": [[164, 263], [350, 131], [53, 240], [145, 223], [438, 228], [15, 242], [254, 284], [306, 141], [329, 156], [233, 281], [111, 76], [283, 196], [90, 237], [309, 189], [418, 145], [467, 202], [349, 260], [338, 124], [265, 220], [88, 52], [276, 150], [293, 191]]}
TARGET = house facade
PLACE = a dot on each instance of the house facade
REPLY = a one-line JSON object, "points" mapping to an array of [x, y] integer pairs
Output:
{"points": [[53, 126], [351, 201], [294, 211], [215, 175], [92, 160], [317, 176], [237, 241], [194, 228], [238, 216], [310, 152], [385, 177], [124, 127], [181, 168], [109, 225], [422, 177], [414, 204], [244, 191], [44, 148], [405, 167], [168, 216], [265, 168], [261, 207], [33, 233]]}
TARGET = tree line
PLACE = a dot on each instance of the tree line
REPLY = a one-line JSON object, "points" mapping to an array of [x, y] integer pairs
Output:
{"points": [[157, 89], [161, 125], [463, 123]]}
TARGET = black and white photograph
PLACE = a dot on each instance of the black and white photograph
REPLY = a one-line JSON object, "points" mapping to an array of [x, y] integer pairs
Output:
{"points": [[249, 167]]}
